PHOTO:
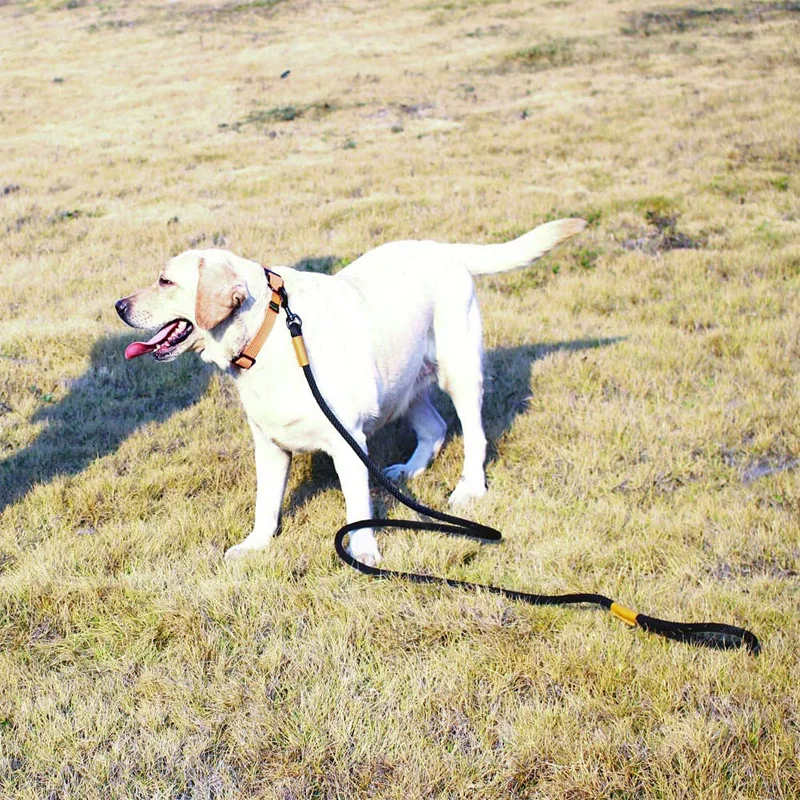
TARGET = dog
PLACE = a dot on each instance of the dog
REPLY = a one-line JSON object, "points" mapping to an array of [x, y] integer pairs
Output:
{"points": [[378, 335]]}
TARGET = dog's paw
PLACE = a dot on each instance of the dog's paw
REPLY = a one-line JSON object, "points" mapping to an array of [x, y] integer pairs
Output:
{"points": [[466, 491], [239, 551], [363, 547], [402, 472], [396, 473], [367, 552], [371, 559]]}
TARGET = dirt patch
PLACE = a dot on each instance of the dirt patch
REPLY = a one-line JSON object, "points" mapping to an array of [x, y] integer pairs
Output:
{"points": [[417, 109], [764, 467], [7, 560], [759, 567], [679, 20], [771, 152], [662, 236], [217, 239], [673, 20]]}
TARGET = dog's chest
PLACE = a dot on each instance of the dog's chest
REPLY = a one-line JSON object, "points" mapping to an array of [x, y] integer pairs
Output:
{"points": [[284, 411]]}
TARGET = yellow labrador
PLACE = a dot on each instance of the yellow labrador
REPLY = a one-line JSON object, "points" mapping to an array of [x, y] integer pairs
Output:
{"points": [[378, 334]]}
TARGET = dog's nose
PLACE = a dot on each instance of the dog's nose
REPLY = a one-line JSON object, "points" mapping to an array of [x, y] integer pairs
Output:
{"points": [[122, 307]]}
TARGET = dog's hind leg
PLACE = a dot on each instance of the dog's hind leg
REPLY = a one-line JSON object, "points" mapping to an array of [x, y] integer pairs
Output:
{"points": [[430, 429], [459, 352], [467, 398], [272, 469]]}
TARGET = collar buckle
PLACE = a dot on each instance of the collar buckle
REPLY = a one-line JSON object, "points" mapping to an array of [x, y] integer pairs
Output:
{"points": [[244, 361]]}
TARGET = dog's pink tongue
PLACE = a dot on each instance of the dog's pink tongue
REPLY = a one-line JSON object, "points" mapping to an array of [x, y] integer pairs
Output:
{"points": [[136, 349]]}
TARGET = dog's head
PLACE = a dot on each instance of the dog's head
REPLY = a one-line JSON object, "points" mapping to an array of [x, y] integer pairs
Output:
{"points": [[193, 305]]}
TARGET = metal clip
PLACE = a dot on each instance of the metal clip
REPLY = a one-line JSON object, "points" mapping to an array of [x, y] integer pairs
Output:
{"points": [[291, 317]]}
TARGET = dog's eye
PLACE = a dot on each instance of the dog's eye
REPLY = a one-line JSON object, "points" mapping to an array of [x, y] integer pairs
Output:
{"points": [[162, 281]]}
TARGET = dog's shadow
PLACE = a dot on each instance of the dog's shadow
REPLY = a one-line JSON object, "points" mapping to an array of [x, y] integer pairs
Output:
{"points": [[507, 389], [102, 408]]}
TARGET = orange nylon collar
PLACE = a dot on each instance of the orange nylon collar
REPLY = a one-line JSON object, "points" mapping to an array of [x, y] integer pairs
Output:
{"points": [[247, 358]]}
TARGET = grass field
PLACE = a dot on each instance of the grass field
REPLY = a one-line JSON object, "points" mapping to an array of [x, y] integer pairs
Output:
{"points": [[642, 400]]}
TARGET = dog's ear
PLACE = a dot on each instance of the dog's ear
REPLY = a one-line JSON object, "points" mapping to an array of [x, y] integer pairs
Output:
{"points": [[220, 291]]}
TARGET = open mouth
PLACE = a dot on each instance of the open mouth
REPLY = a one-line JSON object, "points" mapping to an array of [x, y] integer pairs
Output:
{"points": [[163, 344]]}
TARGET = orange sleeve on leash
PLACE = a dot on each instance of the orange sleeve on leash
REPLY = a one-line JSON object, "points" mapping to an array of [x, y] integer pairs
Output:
{"points": [[627, 615]]}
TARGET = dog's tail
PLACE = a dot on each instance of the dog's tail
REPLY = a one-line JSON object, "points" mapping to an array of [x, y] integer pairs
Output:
{"points": [[488, 259]]}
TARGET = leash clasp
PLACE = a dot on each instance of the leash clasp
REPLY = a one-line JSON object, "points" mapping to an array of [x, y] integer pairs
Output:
{"points": [[292, 319], [294, 324]]}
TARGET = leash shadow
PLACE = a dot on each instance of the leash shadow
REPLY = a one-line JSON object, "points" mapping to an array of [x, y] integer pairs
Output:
{"points": [[103, 407]]}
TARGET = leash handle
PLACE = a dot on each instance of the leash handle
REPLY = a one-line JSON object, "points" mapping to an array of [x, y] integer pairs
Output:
{"points": [[707, 634]]}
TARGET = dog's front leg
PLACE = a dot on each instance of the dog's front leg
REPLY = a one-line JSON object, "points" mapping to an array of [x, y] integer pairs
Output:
{"points": [[272, 469], [354, 479]]}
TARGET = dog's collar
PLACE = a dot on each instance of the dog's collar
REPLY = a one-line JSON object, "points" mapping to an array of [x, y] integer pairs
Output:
{"points": [[247, 358]]}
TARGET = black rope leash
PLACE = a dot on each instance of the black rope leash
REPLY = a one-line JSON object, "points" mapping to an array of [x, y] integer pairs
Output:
{"points": [[708, 634]]}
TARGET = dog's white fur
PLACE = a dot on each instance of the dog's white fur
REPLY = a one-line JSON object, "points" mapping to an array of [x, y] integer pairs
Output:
{"points": [[378, 334]]}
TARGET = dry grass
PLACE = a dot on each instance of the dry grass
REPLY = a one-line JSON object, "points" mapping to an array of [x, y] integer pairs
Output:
{"points": [[642, 400]]}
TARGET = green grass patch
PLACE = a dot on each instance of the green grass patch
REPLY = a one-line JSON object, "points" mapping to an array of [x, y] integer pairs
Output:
{"points": [[555, 53]]}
